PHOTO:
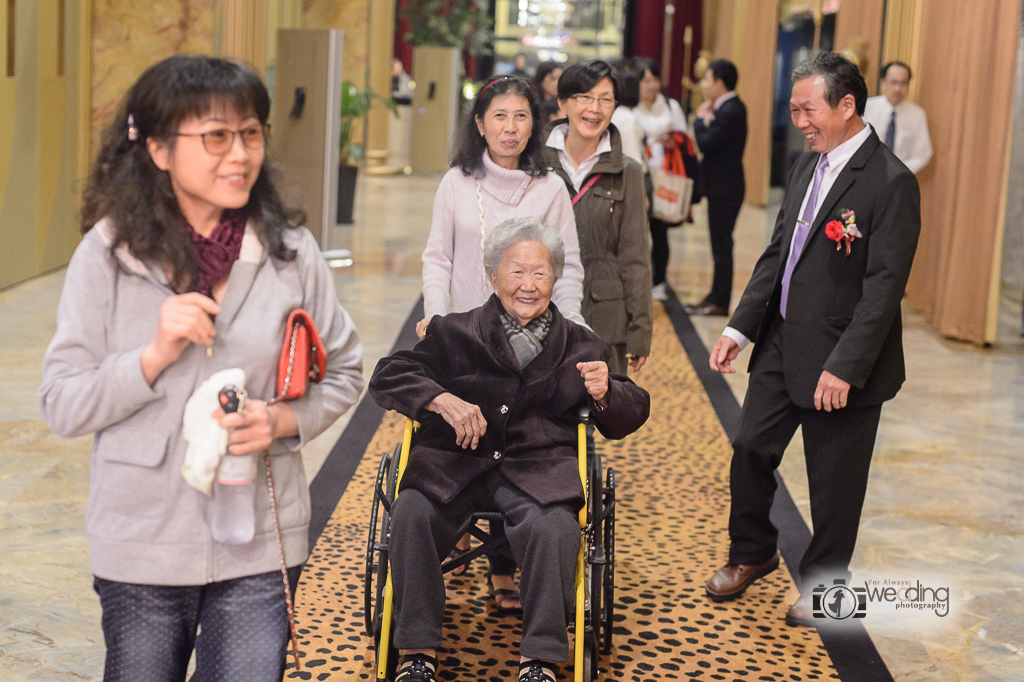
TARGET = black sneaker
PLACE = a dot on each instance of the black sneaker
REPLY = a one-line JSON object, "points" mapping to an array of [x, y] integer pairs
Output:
{"points": [[416, 668], [538, 671]]}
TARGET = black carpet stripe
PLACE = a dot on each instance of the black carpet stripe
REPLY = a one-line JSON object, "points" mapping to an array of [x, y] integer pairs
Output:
{"points": [[331, 480], [852, 652]]}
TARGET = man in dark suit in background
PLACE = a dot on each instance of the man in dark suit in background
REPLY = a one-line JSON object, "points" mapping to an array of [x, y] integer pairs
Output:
{"points": [[721, 132], [823, 309]]}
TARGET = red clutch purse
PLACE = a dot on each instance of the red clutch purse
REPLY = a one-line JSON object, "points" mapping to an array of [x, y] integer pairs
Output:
{"points": [[303, 357]]}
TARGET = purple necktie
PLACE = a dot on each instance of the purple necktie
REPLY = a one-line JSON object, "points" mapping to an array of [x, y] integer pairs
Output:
{"points": [[803, 227]]}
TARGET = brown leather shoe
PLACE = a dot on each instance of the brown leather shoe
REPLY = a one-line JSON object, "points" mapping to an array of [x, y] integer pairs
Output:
{"points": [[732, 580], [802, 612], [707, 309]]}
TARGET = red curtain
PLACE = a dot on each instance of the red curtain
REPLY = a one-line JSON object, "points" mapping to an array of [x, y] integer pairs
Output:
{"points": [[647, 36]]}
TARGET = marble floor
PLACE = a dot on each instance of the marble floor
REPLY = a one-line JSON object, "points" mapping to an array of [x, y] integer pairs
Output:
{"points": [[944, 502]]}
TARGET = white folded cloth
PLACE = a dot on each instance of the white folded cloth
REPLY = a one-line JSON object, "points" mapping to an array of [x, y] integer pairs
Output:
{"points": [[207, 441]]}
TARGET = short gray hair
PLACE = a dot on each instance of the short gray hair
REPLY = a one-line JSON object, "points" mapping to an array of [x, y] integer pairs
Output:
{"points": [[842, 78], [516, 230]]}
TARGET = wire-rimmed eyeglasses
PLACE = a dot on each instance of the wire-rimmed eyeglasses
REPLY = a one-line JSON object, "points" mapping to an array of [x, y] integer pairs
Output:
{"points": [[587, 100]]}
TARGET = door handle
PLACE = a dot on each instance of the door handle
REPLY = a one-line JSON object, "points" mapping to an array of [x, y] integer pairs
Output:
{"points": [[299, 104]]}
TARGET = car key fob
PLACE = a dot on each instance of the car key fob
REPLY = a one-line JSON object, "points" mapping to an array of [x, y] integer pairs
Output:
{"points": [[231, 399]]}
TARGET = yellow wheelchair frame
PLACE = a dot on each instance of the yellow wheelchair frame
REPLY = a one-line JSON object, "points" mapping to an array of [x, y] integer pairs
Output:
{"points": [[594, 569]]}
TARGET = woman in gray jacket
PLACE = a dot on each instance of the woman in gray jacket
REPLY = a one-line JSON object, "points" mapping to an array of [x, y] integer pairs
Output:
{"points": [[190, 264]]}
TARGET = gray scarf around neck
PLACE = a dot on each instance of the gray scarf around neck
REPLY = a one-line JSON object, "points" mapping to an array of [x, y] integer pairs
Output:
{"points": [[527, 342]]}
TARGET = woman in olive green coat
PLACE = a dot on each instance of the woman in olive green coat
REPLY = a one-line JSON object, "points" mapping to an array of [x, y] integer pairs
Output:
{"points": [[611, 214]]}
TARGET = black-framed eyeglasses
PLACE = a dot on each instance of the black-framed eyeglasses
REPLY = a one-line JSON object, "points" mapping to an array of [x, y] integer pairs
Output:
{"points": [[587, 100], [219, 141]]}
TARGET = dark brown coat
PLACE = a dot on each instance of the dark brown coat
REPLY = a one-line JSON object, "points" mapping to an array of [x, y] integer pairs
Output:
{"points": [[615, 247], [530, 412]]}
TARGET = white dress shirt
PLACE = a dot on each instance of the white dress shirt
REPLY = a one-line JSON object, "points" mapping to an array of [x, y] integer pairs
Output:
{"points": [[837, 160], [577, 174], [913, 144], [631, 133]]}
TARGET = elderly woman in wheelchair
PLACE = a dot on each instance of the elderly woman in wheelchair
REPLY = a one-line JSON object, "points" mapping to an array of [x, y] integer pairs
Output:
{"points": [[497, 391]]}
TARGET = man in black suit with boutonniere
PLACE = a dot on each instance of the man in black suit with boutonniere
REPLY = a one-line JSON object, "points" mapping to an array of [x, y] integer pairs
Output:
{"points": [[823, 309]]}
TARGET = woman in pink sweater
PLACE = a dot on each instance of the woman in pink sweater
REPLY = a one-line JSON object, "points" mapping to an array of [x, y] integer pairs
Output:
{"points": [[498, 172]]}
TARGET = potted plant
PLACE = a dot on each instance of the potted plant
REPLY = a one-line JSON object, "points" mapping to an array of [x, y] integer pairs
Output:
{"points": [[448, 23], [355, 102]]}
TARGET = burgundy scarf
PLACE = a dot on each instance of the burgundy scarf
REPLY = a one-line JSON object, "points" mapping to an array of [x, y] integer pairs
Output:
{"points": [[214, 255]]}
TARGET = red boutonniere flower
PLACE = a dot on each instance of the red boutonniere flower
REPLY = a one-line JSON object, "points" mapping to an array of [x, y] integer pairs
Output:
{"points": [[843, 230]]}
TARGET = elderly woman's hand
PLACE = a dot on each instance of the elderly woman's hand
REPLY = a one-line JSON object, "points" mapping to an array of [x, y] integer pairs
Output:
{"points": [[465, 418], [421, 326], [184, 319], [595, 378]]}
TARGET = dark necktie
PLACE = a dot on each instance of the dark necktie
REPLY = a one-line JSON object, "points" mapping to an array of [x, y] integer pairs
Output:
{"points": [[803, 227], [890, 132]]}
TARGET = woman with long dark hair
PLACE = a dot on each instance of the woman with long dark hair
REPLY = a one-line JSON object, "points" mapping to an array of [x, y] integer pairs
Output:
{"points": [[190, 264], [498, 172]]}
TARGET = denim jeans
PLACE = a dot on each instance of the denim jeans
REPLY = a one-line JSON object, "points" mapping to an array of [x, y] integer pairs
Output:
{"points": [[150, 630]]}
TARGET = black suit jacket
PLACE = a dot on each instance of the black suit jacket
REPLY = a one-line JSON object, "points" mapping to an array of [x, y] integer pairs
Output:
{"points": [[722, 142], [843, 313], [531, 412]]}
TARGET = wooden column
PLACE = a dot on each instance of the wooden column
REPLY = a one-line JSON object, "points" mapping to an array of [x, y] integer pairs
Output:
{"points": [[381, 49], [902, 42], [746, 34], [244, 32]]}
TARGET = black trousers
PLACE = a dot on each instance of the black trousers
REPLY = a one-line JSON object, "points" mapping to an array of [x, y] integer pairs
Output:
{"points": [[837, 447], [545, 541], [659, 250], [722, 214]]}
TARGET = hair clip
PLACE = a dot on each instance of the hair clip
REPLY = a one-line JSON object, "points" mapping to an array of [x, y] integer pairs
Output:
{"points": [[133, 132]]}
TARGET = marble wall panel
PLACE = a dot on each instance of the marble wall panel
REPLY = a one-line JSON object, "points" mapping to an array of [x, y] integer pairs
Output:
{"points": [[129, 36], [352, 17]]}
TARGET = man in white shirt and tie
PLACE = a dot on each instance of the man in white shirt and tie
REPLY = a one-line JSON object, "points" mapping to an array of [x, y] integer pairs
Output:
{"points": [[902, 125]]}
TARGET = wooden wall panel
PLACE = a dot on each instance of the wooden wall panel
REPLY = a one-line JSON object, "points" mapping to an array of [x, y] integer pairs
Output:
{"points": [[967, 69], [862, 20]]}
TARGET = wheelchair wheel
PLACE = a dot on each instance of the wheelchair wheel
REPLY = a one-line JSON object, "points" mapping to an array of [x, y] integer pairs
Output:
{"points": [[381, 574], [607, 618], [372, 561], [590, 658]]}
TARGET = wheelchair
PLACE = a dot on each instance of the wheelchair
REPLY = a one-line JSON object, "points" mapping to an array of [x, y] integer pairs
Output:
{"points": [[592, 622]]}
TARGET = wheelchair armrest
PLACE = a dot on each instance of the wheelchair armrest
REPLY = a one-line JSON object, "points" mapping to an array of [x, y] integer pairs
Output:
{"points": [[584, 414]]}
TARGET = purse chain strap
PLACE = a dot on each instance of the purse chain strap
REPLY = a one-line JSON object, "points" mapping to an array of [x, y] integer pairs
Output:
{"points": [[273, 507]]}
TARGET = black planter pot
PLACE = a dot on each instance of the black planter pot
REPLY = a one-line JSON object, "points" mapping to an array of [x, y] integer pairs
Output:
{"points": [[346, 192]]}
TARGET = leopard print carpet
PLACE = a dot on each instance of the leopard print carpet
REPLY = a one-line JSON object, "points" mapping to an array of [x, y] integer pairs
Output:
{"points": [[672, 510]]}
